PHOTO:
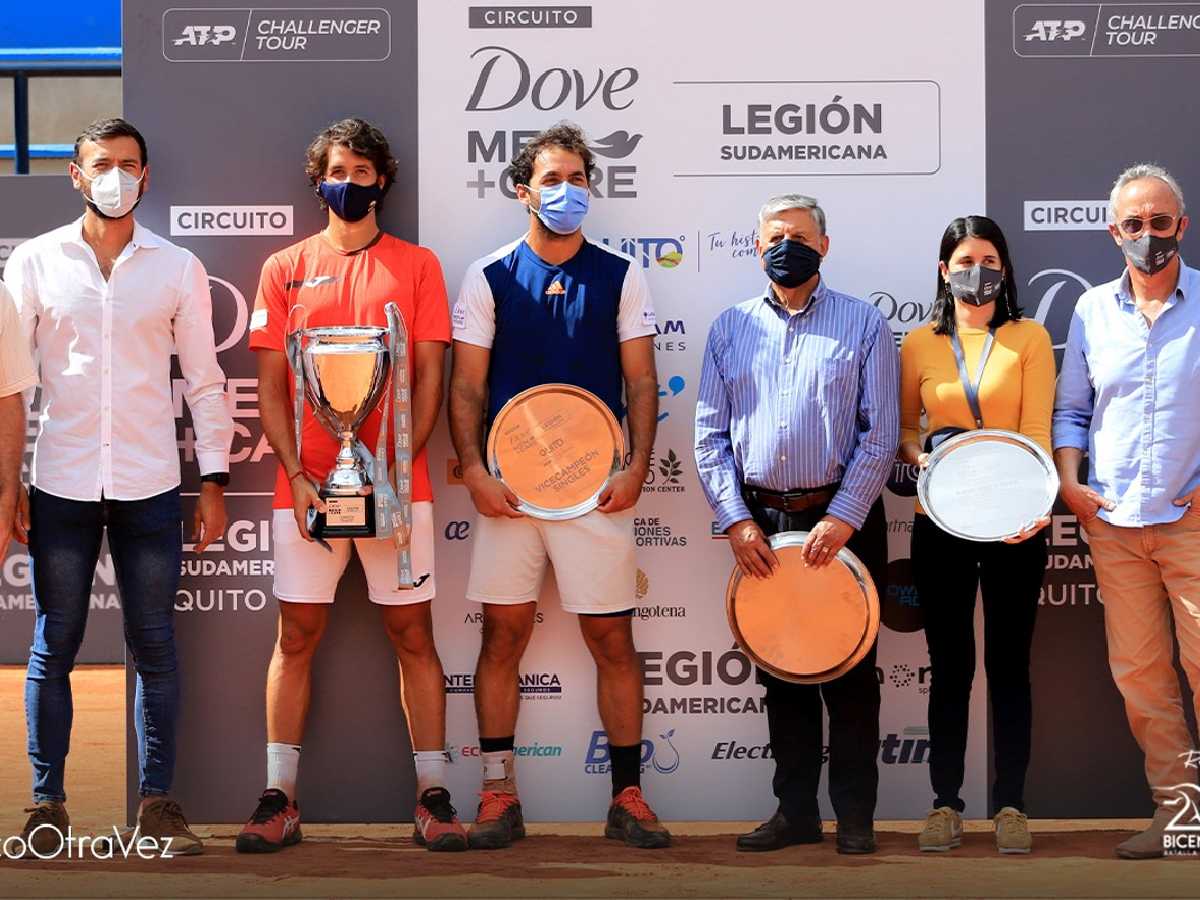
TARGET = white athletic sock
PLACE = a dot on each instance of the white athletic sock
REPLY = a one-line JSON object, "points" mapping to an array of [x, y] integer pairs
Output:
{"points": [[283, 767], [497, 766], [431, 769]]}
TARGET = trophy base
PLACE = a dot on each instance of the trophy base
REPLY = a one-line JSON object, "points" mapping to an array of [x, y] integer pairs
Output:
{"points": [[346, 516]]}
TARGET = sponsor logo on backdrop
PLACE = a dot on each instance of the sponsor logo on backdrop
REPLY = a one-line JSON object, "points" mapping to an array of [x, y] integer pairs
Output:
{"points": [[300, 34], [813, 128], [902, 315], [7, 245], [251, 540], [454, 473], [902, 481], [523, 751], [665, 475], [506, 81], [653, 611], [908, 748], [651, 531], [476, 618], [1070, 578], [732, 243], [458, 530], [1109, 29], [659, 754], [900, 604], [1060, 291], [665, 252], [226, 299], [903, 676], [1182, 834], [17, 577], [670, 335], [529, 17], [1066, 215], [674, 387], [250, 442], [188, 221], [532, 685], [703, 669]]}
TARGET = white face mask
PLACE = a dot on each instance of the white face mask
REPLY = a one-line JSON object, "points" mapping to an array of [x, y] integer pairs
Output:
{"points": [[115, 192]]}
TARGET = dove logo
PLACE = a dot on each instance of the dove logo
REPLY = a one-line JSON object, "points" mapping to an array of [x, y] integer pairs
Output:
{"points": [[506, 80], [1061, 290]]}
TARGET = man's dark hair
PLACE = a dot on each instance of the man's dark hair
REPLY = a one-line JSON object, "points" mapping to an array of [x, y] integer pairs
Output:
{"points": [[358, 136], [565, 136], [110, 128]]}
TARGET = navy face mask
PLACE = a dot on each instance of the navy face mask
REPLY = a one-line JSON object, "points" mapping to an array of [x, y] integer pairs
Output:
{"points": [[349, 201], [790, 263]]}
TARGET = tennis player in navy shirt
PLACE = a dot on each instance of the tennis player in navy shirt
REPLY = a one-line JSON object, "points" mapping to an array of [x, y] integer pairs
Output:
{"points": [[550, 307]]}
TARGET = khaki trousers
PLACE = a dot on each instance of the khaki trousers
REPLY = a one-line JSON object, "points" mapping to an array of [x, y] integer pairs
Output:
{"points": [[1145, 576]]}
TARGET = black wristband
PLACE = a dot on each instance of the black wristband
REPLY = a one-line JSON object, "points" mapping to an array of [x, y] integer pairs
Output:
{"points": [[218, 478]]}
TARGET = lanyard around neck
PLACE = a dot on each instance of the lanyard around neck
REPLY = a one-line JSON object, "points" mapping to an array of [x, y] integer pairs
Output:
{"points": [[972, 389]]}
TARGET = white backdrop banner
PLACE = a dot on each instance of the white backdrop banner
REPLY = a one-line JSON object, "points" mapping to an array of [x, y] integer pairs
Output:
{"points": [[694, 123]]}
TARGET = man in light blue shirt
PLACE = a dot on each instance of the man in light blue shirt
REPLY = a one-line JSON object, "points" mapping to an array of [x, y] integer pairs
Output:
{"points": [[797, 423], [1127, 395]]}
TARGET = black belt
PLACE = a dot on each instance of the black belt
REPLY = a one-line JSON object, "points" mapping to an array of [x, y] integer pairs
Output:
{"points": [[796, 500]]}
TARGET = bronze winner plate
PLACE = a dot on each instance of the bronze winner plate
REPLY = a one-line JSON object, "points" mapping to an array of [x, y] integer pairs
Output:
{"points": [[804, 624], [555, 446]]}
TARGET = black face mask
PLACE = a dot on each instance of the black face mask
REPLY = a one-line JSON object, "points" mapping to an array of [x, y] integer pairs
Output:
{"points": [[1151, 253], [790, 263], [977, 285]]}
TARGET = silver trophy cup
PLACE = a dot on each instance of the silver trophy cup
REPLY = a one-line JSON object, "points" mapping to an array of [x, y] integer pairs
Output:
{"points": [[343, 371]]}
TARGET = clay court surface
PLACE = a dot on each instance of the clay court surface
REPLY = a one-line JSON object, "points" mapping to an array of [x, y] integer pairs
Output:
{"points": [[1069, 860]]}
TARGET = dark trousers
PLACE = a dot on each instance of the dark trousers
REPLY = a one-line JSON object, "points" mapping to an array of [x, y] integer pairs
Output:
{"points": [[794, 710], [145, 537], [946, 572]]}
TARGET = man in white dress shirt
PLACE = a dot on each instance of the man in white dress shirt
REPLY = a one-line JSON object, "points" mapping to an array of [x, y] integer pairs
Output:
{"points": [[105, 302]]}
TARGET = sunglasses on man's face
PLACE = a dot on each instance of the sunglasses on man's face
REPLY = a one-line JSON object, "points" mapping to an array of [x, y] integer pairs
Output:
{"points": [[1133, 225]]}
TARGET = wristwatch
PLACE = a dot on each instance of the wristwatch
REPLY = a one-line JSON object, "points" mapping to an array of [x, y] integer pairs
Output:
{"points": [[218, 478]]}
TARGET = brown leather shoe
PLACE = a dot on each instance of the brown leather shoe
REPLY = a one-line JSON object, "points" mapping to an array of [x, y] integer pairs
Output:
{"points": [[45, 830]]}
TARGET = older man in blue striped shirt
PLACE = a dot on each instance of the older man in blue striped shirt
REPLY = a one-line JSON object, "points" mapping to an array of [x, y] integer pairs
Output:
{"points": [[797, 425]]}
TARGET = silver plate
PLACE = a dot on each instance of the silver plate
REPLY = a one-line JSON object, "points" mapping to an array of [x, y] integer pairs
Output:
{"points": [[986, 485], [804, 624]]}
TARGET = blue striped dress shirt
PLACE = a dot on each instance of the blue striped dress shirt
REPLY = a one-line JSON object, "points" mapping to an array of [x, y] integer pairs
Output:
{"points": [[801, 400]]}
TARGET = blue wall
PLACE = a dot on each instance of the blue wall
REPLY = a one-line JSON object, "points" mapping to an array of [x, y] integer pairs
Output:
{"points": [[92, 26]]}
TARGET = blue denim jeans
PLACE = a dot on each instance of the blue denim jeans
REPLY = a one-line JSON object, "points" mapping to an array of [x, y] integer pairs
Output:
{"points": [[145, 538]]}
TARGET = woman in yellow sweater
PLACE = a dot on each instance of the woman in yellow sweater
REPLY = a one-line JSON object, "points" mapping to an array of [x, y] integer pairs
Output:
{"points": [[976, 310]]}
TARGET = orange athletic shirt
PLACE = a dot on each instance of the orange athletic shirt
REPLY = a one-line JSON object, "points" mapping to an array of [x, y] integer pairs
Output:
{"points": [[1016, 393], [338, 288]]}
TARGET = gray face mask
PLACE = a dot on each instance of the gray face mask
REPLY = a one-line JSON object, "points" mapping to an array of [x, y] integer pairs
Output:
{"points": [[977, 285], [1151, 253]]}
